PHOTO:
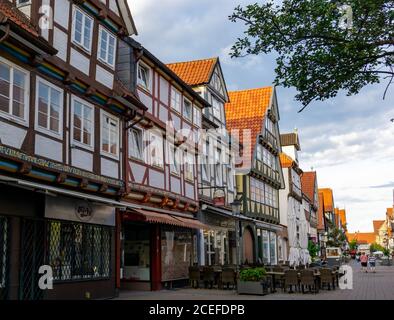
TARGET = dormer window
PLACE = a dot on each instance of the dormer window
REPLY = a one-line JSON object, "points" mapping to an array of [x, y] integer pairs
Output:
{"points": [[144, 77], [82, 33], [217, 83]]}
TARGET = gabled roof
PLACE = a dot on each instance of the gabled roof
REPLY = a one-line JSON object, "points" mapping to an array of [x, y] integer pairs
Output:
{"points": [[246, 111], [390, 213], [194, 73], [362, 237], [328, 199], [377, 224], [285, 160], [320, 212], [290, 139], [342, 215], [336, 217], [308, 184], [127, 17]]}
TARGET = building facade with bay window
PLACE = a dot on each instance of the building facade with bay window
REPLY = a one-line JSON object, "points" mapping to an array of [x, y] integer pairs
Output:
{"points": [[62, 115], [252, 116], [216, 179]]}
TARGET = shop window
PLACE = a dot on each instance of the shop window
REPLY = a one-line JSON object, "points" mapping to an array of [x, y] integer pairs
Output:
{"points": [[266, 247], [216, 247], [79, 251], [273, 248], [176, 253]]}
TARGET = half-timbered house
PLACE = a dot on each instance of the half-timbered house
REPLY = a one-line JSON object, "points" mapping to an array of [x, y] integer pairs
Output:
{"points": [[159, 238], [217, 243], [62, 118], [309, 188], [253, 116]]}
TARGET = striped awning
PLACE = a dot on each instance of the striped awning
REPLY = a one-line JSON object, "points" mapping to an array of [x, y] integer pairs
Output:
{"points": [[163, 218]]}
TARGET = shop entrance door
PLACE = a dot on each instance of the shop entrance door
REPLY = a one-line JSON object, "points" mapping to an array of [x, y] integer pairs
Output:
{"points": [[4, 258], [248, 246], [32, 258]]}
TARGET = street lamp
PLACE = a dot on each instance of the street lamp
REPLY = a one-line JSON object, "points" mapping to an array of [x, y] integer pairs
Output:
{"points": [[236, 208]]}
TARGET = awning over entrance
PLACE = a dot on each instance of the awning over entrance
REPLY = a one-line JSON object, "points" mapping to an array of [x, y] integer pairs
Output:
{"points": [[163, 218]]}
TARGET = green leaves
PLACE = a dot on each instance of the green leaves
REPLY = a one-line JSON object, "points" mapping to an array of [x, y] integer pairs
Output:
{"points": [[253, 274], [323, 47]]}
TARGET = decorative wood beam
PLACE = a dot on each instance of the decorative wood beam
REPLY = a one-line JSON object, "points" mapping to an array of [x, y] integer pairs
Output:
{"points": [[61, 178], [147, 197], [164, 202], [25, 168], [84, 183], [90, 92]]}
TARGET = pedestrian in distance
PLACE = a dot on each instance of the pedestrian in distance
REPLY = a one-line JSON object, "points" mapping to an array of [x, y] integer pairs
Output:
{"points": [[372, 263], [364, 262]]}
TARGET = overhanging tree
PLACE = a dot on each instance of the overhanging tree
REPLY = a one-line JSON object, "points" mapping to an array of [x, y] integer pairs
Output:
{"points": [[323, 46]]}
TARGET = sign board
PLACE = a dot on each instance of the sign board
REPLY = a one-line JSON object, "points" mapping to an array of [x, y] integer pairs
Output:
{"points": [[78, 210], [219, 198]]}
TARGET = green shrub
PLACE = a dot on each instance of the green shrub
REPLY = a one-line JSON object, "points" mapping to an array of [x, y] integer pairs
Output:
{"points": [[253, 274]]}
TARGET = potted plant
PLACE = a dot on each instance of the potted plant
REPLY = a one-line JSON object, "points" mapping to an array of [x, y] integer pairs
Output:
{"points": [[253, 281]]}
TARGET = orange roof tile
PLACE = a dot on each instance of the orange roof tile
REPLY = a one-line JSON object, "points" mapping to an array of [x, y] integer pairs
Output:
{"points": [[328, 199], [336, 217], [246, 111], [390, 212], [362, 237], [285, 160], [9, 11], [320, 212], [308, 183], [377, 224], [195, 72], [342, 215]]}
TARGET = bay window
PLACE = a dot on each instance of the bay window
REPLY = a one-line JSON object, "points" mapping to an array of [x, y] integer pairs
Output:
{"points": [[13, 90], [109, 135]]}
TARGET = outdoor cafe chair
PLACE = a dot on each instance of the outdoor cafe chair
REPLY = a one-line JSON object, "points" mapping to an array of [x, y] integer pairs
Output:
{"points": [[228, 277], [327, 278], [308, 279], [279, 281], [290, 280], [194, 276], [209, 277]]}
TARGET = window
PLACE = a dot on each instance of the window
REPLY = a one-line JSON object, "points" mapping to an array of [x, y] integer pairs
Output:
{"points": [[273, 248], [218, 167], [79, 251], [205, 165], [216, 247], [82, 33], [187, 109], [174, 159], [188, 166], [83, 123], [266, 247], [109, 134], [50, 107], [217, 83], [136, 144], [230, 178], [107, 47], [144, 77], [217, 108], [155, 150], [13, 91], [259, 152], [20, 3], [175, 100], [197, 117]]}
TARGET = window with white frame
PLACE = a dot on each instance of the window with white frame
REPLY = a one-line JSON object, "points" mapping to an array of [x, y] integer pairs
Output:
{"points": [[109, 134], [218, 167], [230, 177], [174, 158], [257, 189], [217, 83], [197, 117], [83, 122], [144, 78], [175, 100], [107, 47], [205, 164], [259, 152], [136, 144], [82, 32], [155, 150], [188, 166], [50, 107], [187, 109], [13, 90], [217, 108]]}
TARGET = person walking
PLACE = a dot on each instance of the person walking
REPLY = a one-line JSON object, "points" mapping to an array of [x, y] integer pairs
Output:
{"points": [[372, 263], [364, 262]]}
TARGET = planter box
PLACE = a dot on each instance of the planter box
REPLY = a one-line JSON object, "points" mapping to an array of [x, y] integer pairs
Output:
{"points": [[252, 287]]}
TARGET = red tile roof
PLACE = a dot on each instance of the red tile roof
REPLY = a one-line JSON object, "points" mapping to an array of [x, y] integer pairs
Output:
{"points": [[362, 237], [285, 160], [195, 72], [308, 183], [9, 11], [246, 111], [328, 199], [342, 215], [320, 212], [377, 224]]}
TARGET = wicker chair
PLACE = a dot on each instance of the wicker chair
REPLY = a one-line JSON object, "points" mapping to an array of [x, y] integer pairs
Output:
{"points": [[308, 280], [228, 277], [327, 278], [290, 280], [209, 277], [194, 277]]}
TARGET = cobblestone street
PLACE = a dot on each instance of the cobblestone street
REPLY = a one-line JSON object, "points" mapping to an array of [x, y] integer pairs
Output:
{"points": [[366, 286]]}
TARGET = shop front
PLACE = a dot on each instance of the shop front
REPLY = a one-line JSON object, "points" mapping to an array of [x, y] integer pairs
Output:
{"points": [[267, 243], [157, 249], [218, 239], [71, 236]]}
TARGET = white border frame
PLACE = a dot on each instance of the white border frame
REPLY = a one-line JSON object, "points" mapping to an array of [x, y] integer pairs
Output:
{"points": [[79, 45], [46, 131], [149, 90], [102, 152], [78, 143], [112, 66]]}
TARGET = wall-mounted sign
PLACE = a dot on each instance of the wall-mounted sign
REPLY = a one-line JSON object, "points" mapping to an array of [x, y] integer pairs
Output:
{"points": [[219, 198], [84, 211]]}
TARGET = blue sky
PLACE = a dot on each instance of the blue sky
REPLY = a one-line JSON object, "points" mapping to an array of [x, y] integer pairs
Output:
{"points": [[348, 140]]}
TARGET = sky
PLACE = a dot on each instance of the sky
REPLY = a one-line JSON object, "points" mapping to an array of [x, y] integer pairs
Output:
{"points": [[349, 141]]}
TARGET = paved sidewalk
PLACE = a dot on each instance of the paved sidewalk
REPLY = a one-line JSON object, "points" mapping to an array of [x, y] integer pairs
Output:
{"points": [[366, 286]]}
